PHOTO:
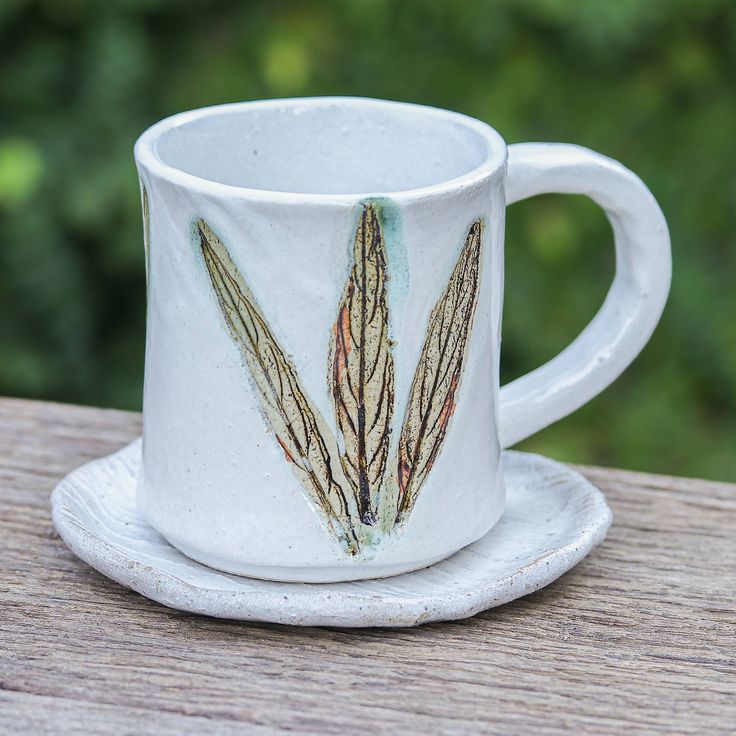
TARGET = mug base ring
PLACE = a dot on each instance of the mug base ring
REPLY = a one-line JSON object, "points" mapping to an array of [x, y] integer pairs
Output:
{"points": [[335, 574]]}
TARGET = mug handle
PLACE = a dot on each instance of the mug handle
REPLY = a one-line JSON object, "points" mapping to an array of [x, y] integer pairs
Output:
{"points": [[633, 304]]}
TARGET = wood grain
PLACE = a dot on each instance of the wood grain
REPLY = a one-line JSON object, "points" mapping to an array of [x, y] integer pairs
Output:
{"points": [[639, 638]]}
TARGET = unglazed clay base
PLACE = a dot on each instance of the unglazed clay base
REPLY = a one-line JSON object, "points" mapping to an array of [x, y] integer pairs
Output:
{"points": [[554, 517]]}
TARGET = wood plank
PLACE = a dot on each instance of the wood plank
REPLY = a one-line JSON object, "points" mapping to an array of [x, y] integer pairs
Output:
{"points": [[42, 715], [639, 637]]}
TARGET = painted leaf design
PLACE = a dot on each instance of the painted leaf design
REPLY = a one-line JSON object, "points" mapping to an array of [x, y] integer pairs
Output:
{"points": [[299, 428], [363, 367], [432, 397]]}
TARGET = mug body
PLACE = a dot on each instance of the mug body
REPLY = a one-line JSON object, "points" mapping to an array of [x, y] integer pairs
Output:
{"points": [[325, 282]]}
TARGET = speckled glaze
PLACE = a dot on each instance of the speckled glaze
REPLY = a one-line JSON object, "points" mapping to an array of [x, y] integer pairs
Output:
{"points": [[278, 188], [554, 517]]}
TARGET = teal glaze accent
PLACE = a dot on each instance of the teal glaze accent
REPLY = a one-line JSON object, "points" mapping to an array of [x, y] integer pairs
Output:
{"points": [[398, 264]]}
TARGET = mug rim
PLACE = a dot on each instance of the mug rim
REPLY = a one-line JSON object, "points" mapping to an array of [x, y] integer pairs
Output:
{"points": [[148, 158]]}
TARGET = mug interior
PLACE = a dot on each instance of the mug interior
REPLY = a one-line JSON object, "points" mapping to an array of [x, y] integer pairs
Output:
{"points": [[325, 145]]}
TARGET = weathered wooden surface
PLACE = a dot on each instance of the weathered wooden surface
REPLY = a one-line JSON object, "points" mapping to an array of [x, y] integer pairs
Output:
{"points": [[639, 638]]}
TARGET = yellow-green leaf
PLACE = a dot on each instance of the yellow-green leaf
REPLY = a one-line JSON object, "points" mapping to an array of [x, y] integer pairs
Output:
{"points": [[298, 426], [432, 397], [362, 367]]}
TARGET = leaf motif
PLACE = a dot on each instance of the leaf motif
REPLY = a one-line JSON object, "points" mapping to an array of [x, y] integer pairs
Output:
{"points": [[432, 396], [363, 368], [300, 430]]}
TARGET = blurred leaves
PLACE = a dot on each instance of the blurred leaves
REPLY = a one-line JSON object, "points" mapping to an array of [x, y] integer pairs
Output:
{"points": [[649, 83], [287, 64], [21, 167]]}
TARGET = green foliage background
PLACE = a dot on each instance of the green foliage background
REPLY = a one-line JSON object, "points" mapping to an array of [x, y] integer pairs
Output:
{"points": [[649, 83]]}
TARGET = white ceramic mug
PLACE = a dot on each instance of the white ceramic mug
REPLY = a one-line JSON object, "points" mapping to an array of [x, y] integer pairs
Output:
{"points": [[325, 279]]}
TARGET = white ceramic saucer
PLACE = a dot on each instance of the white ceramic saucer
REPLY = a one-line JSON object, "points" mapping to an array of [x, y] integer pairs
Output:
{"points": [[554, 517]]}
